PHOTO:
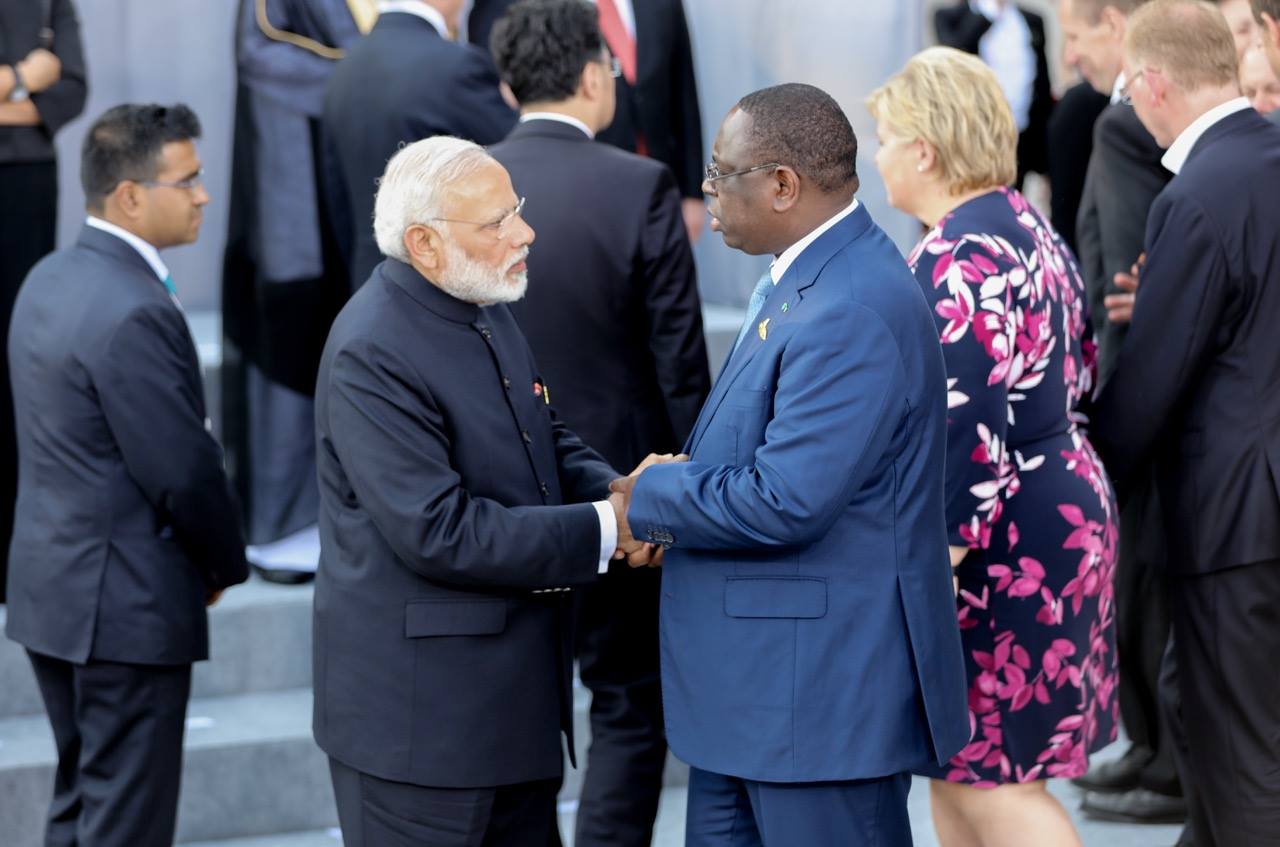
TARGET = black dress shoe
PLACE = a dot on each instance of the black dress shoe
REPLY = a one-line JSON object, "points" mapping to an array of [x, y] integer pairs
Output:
{"points": [[283, 576], [1136, 806], [1117, 775]]}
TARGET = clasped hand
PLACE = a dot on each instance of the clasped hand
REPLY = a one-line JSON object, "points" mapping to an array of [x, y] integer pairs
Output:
{"points": [[637, 553]]}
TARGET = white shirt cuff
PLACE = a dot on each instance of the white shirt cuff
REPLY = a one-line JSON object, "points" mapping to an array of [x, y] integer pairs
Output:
{"points": [[608, 532]]}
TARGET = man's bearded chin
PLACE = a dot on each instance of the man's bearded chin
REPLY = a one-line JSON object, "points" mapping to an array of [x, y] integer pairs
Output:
{"points": [[473, 281]]}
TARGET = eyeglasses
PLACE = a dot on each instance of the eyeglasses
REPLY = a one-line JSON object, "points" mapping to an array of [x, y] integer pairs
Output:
{"points": [[499, 228], [712, 171], [190, 183], [1126, 96]]}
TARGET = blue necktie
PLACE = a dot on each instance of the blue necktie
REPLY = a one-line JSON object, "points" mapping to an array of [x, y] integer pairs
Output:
{"points": [[169, 286], [758, 296]]}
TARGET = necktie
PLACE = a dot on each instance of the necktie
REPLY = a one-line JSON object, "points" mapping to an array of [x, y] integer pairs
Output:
{"points": [[622, 44], [169, 286], [758, 296]]}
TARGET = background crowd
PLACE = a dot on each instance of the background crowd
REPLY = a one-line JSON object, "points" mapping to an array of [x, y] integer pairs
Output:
{"points": [[1097, 265]]}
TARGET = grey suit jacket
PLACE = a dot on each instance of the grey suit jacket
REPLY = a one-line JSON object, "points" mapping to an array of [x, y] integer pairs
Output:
{"points": [[125, 519], [1123, 179]]}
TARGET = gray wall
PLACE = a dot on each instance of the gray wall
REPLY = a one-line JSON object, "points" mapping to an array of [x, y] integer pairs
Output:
{"points": [[162, 51], [182, 50]]}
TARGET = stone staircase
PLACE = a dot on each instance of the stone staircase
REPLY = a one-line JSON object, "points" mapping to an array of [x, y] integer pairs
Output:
{"points": [[252, 775]]}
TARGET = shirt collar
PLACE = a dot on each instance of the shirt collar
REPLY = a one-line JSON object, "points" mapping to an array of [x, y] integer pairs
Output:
{"points": [[1117, 89], [416, 7], [1176, 156], [149, 253], [556, 116], [990, 9], [783, 262]]}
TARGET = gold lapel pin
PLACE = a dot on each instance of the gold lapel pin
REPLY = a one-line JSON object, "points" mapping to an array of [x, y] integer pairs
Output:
{"points": [[763, 329]]}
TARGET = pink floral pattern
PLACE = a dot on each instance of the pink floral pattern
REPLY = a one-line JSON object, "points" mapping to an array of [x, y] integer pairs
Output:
{"points": [[1025, 492]]}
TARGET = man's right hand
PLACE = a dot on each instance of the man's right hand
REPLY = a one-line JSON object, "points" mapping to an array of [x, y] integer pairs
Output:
{"points": [[1120, 306], [40, 70]]}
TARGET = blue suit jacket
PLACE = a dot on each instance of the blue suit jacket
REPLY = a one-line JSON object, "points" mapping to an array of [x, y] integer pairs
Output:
{"points": [[808, 621]]}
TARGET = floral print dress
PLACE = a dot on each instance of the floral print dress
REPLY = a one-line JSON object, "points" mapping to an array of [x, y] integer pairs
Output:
{"points": [[1025, 492]]}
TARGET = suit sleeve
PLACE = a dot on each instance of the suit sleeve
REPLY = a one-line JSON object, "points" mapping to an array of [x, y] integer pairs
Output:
{"points": [[393, 445], [839, 398], [149, 388], [1129, 180], [480, 112], [686, 117], [673, 310], [960, 27], [61, 102], [1184, 295]]}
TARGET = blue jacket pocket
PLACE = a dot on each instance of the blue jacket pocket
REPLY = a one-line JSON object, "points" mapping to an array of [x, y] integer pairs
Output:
{"points": [[775, 597], [427, 618]]}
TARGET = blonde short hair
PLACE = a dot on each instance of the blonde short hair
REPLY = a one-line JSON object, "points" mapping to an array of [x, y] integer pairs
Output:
{"points": [[953, 101], [414, 187], [1188, 40]]}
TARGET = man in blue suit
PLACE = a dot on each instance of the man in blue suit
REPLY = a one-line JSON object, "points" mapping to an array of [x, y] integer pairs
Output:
{"points": [[810, 652]]}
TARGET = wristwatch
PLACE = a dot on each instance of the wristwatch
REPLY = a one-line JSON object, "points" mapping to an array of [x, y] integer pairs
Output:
{"points": [[19, 92]]}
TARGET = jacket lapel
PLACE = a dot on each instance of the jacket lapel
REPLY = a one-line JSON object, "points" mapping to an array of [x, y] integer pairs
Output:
{"points": [[789, 295]]}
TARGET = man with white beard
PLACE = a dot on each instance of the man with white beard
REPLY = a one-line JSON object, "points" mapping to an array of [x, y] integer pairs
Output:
{"points": [[456, 515]]}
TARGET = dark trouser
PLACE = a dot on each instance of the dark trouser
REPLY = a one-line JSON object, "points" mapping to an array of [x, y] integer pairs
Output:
{"points": [[1227, 676], [28, 228], [118, 729], [1142, 633], [725, 811], [617, 646], [376, 812]]}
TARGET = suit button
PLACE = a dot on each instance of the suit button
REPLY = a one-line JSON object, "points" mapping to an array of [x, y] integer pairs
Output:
{"points": [[506, 383], [528, 439], [485, 331], [545, 489]]}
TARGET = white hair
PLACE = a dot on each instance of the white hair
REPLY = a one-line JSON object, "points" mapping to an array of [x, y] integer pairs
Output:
{"points": [[412, 189]]}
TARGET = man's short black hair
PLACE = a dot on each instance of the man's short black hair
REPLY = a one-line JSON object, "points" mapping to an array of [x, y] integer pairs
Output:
{"points": [[126, 143], [541, 47], [803, 127]]}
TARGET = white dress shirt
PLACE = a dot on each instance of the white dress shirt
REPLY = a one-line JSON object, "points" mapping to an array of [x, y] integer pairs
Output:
{"points": [[1176, 156], [1006, 49], [556, 116], [416, 7], [786, 257], [1117, 90], [145, 250]]}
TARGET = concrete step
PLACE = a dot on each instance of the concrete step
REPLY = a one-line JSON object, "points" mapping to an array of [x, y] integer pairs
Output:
{"points": [[260, 634], [250, 768]]}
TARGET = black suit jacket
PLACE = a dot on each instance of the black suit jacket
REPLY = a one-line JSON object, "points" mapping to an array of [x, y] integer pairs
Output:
{"points": [[1071, 128], [443, 472], [663, 104], [399, 84], [1124, 178], [20, 24], [125, 519], [962, 28], [1197, 385], [612, 312]]}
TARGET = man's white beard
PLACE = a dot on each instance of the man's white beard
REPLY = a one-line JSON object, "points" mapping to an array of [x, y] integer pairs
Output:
{"points": [[473, 281]]}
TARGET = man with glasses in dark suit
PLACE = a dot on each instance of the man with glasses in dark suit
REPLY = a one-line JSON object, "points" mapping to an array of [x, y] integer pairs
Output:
{"points": [[126, 528]]}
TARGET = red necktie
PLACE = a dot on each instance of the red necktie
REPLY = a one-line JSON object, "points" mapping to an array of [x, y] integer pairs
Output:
{"points": [[623, 46]]}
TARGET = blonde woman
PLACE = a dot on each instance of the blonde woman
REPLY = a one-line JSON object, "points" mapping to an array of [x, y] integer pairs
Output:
{"points": [[1030, 511]]}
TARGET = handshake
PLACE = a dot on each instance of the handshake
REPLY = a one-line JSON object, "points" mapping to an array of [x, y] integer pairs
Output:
{"points": [[637, 553]]}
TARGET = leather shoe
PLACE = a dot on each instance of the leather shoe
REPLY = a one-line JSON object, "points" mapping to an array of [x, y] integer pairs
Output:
{"points": [[283, 576], [1137, 806], [1117, 775]]}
